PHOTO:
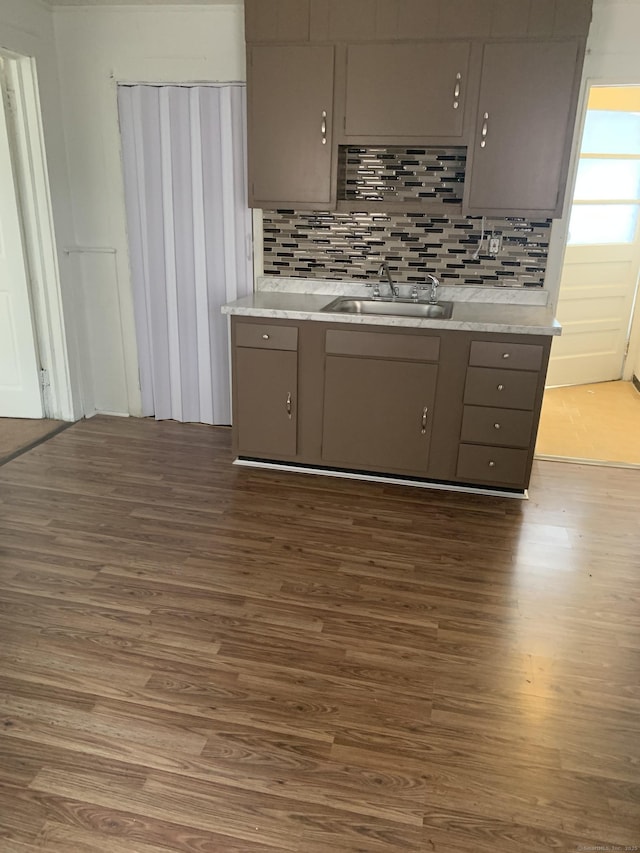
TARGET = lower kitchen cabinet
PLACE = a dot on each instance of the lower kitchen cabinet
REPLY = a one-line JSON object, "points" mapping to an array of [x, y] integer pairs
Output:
{"points": [[378, 414], [265, 410], [449, 406]]}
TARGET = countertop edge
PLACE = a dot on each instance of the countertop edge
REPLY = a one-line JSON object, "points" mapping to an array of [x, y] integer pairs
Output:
{"points": [[453, 324]]}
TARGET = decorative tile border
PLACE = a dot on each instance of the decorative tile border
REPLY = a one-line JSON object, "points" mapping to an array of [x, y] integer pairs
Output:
{"points": [[352, 245], [402, 174]]}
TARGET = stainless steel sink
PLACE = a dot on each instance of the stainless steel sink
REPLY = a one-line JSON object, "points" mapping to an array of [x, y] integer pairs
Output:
{"points": [[391, 308]]}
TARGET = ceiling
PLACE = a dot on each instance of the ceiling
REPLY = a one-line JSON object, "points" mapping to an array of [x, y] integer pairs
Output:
{"points": [[146, 2]]}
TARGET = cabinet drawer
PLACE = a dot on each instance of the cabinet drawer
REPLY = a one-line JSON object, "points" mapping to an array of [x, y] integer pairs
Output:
{"points": [[492, 465], [378, 344], [508, 389], [511, 356], [266, 336], [507, 427]]}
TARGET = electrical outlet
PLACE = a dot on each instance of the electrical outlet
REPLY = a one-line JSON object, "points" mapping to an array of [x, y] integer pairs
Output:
{"points": [[495, 244]]}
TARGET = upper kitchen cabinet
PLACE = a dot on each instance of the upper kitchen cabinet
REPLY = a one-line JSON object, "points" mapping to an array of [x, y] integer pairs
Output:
{"points": [[406, 90], [276, 20], [526, 113], [290, 123]]}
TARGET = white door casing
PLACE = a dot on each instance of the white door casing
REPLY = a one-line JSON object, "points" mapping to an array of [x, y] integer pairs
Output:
{"points": [[20, 394]]}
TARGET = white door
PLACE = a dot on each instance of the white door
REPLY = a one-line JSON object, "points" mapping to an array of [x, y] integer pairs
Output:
{"points": [[20, 395], [602, 260]]}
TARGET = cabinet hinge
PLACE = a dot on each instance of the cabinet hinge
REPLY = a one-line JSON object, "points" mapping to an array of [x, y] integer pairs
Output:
{"points": [[626, 347]]}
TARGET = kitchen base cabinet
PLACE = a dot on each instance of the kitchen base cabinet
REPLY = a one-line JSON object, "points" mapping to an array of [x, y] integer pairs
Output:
{"points": [[265, 410], [436, 405], [265, 358], [378, 414], [502, 400]]}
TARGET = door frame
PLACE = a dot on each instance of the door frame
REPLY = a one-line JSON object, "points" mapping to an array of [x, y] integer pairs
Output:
{"points": [[560, 227], [27, 132]]}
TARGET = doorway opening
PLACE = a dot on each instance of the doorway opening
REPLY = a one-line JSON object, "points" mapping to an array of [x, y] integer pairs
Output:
{"points": [[591, 410]]}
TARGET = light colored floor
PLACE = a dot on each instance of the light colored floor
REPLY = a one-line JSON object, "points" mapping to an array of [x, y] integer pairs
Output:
{"points": [[599, 422], [16, 433]]}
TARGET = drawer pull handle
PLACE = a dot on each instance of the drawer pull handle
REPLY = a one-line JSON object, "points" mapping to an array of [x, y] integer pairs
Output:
{"points": [[500, 388], [505, 355], [265, 337], [492, 464], [289, 405], [425, 417], [496, 426], [323, 127]]}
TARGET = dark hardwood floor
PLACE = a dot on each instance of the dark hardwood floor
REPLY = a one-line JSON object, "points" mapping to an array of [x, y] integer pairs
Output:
{"points": [[200, 658]]}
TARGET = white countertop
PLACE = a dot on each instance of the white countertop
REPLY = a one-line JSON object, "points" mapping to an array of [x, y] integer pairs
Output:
{"points": [[508, 318]]}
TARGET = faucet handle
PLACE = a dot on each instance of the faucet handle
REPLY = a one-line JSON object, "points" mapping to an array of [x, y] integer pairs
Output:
{"points": [[376, 289]]}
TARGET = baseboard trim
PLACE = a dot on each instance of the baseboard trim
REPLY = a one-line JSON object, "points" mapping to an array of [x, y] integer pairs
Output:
{"points": [[636, 382], [514, 494], [575, 460]]}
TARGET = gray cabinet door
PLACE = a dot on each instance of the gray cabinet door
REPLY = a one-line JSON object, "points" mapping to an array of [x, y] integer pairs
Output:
{"points": [[525, 118], [266, 392], [378, 414], [407, 90], [290, 104]]}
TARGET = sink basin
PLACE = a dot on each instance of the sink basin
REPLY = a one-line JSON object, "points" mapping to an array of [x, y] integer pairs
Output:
{"points": [[391, 308]]}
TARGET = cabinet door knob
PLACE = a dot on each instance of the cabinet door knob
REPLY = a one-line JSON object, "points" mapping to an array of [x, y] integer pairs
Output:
{"points": [[485, 130], [492, 464], [500, 388], [265, 337], [423, 422], [289, 405], [506, 355], [324, 127], [457, 91], [496, 426]]}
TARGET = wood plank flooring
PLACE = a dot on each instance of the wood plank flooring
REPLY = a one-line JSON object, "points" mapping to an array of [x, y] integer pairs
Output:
{"points": [[207, 659]]}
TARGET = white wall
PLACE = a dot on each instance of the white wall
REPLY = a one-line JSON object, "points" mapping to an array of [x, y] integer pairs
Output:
{"points": [[26, 28], [97, 48]]}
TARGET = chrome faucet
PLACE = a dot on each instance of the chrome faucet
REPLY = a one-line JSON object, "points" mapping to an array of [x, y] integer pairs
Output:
{"points": [[384, 268], [435, 284]]}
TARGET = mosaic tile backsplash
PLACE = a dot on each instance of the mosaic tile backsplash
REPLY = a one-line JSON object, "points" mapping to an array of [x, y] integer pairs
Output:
{"points": [[402, 174], [352, 246]]}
